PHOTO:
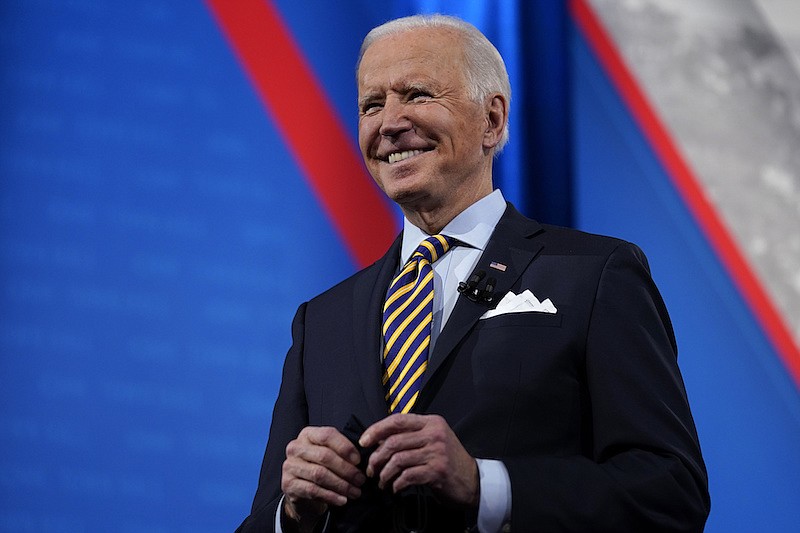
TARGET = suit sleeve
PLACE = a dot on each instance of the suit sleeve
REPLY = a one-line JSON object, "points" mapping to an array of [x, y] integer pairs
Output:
{"points": [[289, 417], [642, 469]]}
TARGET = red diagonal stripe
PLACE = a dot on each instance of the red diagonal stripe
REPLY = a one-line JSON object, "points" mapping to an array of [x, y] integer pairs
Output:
{"points": [[688, 186], [308, 123]]}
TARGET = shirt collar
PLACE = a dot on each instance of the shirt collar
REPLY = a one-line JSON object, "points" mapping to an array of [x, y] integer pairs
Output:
{"points": [[473, 226]]}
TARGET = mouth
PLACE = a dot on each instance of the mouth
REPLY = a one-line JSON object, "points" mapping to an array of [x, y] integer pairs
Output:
{"points": [[396, 157]]}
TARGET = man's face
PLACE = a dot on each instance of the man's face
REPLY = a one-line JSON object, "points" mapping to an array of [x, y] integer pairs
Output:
{"points": [[420, 133]]}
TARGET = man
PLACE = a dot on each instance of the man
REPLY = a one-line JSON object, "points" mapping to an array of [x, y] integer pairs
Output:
{"points": [[541, 395]]}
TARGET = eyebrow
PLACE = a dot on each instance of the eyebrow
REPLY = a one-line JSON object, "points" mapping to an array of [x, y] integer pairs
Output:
{"points": [[418, 86], [367, 98], [402, 87]]}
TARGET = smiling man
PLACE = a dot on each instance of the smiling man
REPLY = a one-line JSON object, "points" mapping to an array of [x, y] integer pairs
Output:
{"points": [[489, 373], [426, 135]]}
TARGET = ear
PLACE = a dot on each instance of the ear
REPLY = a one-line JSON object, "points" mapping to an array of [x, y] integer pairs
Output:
{"points": [[496, 120]]}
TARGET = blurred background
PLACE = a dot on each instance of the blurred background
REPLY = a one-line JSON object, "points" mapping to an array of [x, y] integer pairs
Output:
{"points": [[177, 177]]}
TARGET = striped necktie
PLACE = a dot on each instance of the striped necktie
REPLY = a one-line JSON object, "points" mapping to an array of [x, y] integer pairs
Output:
{"points": [[407, 316]]}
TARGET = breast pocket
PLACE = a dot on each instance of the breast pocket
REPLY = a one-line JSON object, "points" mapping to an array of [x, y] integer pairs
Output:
{"points": [[521, 351]]}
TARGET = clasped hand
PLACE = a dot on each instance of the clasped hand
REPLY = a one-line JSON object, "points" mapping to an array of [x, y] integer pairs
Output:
{"points": [[320, 468]]}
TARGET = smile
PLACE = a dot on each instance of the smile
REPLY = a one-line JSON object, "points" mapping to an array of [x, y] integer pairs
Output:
{"points": [[401, 156]]}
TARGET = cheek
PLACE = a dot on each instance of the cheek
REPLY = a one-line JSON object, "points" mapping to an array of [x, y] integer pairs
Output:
{"points": [[469, 142], [363, 140], [367, 132]]}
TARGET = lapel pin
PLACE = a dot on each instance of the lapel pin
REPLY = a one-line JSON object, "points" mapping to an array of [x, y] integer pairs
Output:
{"points": [[498, 266]]}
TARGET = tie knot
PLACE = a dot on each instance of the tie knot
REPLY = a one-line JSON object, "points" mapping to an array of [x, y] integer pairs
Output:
{"points": [[433, 248]]}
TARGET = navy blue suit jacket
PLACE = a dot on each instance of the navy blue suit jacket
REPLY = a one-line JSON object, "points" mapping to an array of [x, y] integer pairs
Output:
{"points": [[585, 407]]}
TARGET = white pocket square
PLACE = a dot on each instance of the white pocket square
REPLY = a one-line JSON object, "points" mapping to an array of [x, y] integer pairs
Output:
{"points": [[524, 302]]}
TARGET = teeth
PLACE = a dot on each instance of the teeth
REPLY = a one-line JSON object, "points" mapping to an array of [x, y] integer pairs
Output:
{"points": [[399, 156]]}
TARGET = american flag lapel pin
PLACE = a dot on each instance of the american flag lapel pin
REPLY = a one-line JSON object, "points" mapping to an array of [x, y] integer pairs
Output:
{"points": [[498, 266]]}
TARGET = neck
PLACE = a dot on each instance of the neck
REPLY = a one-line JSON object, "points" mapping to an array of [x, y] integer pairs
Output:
{"points": [[432, 218], [431, 221]]}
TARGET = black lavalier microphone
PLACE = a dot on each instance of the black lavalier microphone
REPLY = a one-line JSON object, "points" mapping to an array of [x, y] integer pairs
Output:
{"points": [[470, 288], [488, 291]]}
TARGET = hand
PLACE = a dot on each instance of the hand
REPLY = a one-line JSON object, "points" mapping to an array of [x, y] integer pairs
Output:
{"points": [[319, 471], [422, 450]]}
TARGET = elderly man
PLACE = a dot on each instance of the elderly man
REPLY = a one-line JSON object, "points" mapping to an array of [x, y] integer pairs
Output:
{"points": [[488, 373]]}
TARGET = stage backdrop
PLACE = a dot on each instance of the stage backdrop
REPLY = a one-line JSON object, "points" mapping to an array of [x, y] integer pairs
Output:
{"points": [[177, 177]]}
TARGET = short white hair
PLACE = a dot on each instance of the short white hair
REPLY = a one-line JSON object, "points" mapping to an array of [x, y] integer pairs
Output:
{"points": [[485, 69]]}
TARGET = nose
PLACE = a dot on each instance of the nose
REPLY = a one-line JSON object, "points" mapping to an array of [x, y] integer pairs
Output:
{"points": [[394, 119]]}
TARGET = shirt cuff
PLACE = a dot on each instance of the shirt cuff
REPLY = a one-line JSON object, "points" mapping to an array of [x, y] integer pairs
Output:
{"points": [[278, 528], [494, 509]]}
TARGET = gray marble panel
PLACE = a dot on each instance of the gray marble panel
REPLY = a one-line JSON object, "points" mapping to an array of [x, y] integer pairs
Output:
{"points": [[726, 85]]}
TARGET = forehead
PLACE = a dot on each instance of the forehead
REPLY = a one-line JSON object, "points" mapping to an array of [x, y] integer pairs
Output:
{"points": [[421, 55]]}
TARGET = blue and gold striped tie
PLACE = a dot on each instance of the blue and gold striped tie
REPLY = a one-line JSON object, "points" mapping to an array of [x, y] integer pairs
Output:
{"points": [[407, 316]]}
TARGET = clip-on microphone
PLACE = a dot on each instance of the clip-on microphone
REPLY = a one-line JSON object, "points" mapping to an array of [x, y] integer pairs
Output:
{"points": [[470, 288]]}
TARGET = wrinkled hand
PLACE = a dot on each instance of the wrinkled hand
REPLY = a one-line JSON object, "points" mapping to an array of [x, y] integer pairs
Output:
{"points": [[319, 471], [421, 450]]}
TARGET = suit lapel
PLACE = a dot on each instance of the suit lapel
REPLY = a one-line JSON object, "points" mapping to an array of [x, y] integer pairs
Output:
{"points": [[368, 296], [511, 245]]}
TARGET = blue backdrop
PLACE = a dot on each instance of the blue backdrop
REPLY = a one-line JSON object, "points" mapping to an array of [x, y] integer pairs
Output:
{"points": [[156, 237]]}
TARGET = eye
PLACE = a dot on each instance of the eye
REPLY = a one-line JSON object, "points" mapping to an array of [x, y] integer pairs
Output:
{"points": [[419, 96], [369, 108]]}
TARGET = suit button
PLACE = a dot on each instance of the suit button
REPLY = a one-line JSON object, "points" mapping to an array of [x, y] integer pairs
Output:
{"points": [[507, 527]]}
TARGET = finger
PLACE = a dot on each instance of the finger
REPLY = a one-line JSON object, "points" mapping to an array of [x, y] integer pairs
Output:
{"points": [[391, 425], [416, 475], [299, 490], [325, 457], [447, 469], [420, 448], [399, 463], [331, 438], [297, 469], [392, 446]]}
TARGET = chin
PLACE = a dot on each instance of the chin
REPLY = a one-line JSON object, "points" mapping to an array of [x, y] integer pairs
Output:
{"points": [[402, 179], [407, 196]]}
